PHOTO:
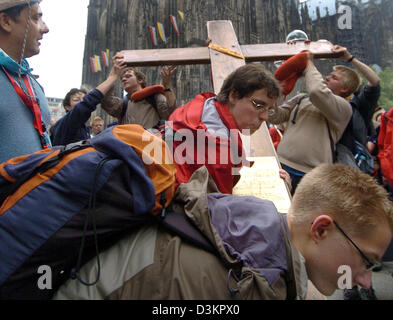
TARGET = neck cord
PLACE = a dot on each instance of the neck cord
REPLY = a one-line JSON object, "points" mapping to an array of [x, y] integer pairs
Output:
{"points": [[23, 54]]}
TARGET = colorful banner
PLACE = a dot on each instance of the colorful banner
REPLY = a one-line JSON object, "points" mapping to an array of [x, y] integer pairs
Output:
{"points": [[97, 63], [173, 19], [92, 64], [105, 58], [181, 15], [161, 31], [153, 35]]}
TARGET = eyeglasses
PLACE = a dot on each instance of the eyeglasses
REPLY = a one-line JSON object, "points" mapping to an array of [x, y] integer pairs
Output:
{"points": [[262, 108], [369, 265]]}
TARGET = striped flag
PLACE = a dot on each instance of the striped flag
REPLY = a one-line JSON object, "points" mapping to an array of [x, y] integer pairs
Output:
{"points": [[92, 64], [173, 19], [161, 31], [181, 15], [153, 35], [97, 63], [105, 58]]}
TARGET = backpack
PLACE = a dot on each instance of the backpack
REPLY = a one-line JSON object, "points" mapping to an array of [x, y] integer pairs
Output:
{"points": [[385, 146], [348, 151], [361, 160], [41, 195]]}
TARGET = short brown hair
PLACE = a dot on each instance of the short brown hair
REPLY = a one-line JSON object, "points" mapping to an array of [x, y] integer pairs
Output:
{"points": [[351, 78], [140, 76], [247, 79], [349, 196]]}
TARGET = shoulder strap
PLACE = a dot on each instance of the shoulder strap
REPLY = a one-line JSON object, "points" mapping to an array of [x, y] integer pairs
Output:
{"points": [[152, 100], [297, 108], [124, 108], [43, 167], [332, 146]]}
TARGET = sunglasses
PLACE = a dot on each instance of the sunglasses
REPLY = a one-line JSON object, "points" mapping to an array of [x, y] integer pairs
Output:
{"points": [[262, 108], [369, 265]]}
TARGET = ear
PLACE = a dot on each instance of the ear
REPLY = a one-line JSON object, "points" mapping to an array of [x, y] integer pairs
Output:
{"points": [[6, 22], [344, 92], [321, 227], [233, 97]]}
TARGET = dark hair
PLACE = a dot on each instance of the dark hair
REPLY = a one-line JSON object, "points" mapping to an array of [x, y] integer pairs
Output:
{"points": [[246, 79], [138, 74], [14, 12], [67, 98]]}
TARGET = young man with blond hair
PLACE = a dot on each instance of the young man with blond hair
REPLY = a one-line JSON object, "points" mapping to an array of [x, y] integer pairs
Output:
{"points": [[97, 125], [339, 218], [316, 120]]}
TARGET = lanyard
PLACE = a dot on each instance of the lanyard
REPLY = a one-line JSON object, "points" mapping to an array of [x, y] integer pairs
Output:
{"points": [[32, 104]]}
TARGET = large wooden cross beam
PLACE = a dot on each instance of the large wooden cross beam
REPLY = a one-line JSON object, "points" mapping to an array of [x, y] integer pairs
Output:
{"points": [[262, 179]]}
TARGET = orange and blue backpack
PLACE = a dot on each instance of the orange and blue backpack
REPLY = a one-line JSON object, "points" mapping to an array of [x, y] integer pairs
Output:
{"points": [[105, 187]]}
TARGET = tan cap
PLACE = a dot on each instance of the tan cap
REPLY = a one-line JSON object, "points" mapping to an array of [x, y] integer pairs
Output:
{"points": [[7, 4]]}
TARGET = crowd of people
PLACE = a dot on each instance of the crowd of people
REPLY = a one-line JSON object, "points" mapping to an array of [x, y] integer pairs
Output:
{"points": [[338, 216]]}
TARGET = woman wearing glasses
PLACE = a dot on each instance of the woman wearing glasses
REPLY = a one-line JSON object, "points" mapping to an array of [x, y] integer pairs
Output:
{"points": [[206, 130]]}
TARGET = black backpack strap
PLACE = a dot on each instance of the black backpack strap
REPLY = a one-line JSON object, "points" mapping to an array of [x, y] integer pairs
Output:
{"points": [[332, 146], [297, 108], [152, 100], [124, 107], [181, 225]]}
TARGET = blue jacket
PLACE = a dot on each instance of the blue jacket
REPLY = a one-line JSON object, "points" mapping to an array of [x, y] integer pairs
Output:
{"points": [[71, 127]]}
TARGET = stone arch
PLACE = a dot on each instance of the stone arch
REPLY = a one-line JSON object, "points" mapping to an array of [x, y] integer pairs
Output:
{"points": [[103, 24]]}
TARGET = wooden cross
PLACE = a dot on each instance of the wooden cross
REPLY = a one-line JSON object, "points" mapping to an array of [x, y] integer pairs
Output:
{"points": [[262, 179]]}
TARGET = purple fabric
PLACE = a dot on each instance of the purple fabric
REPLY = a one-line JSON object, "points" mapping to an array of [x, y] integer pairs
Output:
{"points": [[250, 229]]}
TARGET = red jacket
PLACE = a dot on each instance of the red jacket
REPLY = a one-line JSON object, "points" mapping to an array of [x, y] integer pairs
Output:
{"points": [[385, 146], [200, 144], [275, 136]]}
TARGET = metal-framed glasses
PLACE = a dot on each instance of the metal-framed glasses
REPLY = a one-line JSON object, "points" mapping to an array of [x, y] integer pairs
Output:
{"points": [[262, 108], [369, 265]]}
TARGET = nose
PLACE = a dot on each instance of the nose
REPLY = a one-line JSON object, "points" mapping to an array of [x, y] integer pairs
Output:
{"points": [[263, 115], [45, 28], [364, 279]]}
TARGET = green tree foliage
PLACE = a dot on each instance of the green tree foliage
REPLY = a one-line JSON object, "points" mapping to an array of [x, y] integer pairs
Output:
{"points": [[386, 76], [386, 99]]}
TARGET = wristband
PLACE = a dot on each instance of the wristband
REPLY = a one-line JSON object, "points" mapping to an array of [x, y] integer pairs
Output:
{"points": [[351, 58]]}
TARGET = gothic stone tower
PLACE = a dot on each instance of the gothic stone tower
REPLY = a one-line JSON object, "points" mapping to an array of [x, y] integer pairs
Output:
{"points": [[124, 25]]}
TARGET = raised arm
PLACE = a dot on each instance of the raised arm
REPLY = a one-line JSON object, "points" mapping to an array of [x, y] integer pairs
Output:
{"points": [[365, 70], [111, 104], [335, 108], [166, 74]]}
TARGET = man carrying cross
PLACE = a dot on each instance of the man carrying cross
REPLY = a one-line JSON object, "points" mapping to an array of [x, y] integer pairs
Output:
{"points": [[316, 120]]}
